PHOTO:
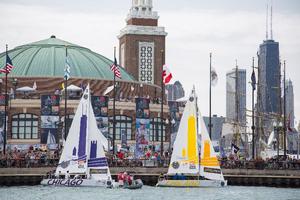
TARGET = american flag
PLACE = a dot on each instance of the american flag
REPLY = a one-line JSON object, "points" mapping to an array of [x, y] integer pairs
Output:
{"points": [[115, 69], [8, 67]]}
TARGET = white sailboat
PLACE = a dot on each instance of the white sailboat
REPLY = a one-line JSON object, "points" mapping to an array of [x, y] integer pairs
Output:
{"points": [[83, 161], [185, 168]]}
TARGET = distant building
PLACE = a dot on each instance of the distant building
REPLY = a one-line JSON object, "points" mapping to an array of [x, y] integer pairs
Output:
{"points": [[217, 124], [269, 77], [175, 91], [289, 92], [236, 96]]}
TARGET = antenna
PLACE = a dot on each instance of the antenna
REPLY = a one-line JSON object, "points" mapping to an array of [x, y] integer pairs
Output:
{"points": [[271, 23], [267, 21]]}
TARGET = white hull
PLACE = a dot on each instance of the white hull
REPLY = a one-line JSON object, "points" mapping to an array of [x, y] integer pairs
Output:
{"points": [[191, 183], [79, 183]]}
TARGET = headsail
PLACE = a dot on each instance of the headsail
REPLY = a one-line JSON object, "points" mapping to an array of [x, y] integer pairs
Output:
{"points": [[185, 156], [97, 162], [209, 164]]}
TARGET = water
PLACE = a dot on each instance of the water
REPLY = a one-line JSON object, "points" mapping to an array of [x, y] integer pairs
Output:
{"points": [[148, 193]]}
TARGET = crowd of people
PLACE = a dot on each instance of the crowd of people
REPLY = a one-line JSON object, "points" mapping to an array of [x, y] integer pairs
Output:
{"points": [[48, 158], [28, 158]]}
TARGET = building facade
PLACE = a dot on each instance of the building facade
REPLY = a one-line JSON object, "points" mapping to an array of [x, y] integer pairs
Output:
{"points": [[236, 96]]}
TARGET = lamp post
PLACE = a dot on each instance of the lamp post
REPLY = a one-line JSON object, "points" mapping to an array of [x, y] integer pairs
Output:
{"points": [[15, 84]]}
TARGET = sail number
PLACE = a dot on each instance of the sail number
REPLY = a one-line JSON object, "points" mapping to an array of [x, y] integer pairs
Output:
{"points": [[68, 182]]}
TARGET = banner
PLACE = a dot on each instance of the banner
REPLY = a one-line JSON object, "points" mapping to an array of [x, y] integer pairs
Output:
{"points": [[142, 134], [100, 108], [2, 114], [174, 119], [50, 120]]}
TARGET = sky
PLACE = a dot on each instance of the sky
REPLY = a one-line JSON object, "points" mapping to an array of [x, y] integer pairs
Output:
{"points": [[231, 30]]}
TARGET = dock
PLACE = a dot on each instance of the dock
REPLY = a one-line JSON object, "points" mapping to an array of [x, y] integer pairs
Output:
{"points": [[237, 177]]}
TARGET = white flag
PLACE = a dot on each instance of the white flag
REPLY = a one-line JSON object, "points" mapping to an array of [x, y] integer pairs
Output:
{"points": [[108, 90], [214, 77]]}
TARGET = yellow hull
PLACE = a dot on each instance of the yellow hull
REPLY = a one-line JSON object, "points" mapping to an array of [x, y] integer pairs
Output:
{"points": [[191, 183]]}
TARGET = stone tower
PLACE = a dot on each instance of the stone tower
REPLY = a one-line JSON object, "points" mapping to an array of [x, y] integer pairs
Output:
{"points": [[141, 43]]}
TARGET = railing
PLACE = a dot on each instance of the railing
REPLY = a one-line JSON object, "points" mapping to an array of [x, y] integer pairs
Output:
{"points": [[156, 163]]}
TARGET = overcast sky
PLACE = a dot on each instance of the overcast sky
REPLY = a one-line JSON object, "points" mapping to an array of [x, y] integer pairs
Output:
{"points": [[230, 29]]}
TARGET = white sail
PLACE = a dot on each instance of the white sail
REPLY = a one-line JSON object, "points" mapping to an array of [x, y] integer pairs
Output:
{"points": [[51, 138], [185, 155], [209, 164], [76, 153], [271, 138]]}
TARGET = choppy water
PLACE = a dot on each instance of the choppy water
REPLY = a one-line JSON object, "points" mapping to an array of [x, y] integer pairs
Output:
{"points": [[148, 193]]}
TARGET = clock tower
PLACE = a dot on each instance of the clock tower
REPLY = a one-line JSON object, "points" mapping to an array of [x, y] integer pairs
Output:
{"points": [[141, 43]]}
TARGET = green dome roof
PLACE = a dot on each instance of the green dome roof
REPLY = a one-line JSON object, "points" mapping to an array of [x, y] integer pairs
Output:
{"points": [[47, 58]]}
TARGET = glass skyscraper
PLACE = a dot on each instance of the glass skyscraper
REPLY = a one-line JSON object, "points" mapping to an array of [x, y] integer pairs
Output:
{"points": [[269, 91]]}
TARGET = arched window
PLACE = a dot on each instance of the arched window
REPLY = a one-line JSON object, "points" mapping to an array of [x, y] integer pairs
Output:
{"points": [[155, 130], [123, 124], [25, 126]]}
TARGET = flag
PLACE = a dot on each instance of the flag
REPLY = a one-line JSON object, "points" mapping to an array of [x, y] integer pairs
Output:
{"points": [[67, 69], [167, 75], [234, 148], [115, 69], [108, 90], [213, 76], [62, 86], [8, 67], [253, 81]]}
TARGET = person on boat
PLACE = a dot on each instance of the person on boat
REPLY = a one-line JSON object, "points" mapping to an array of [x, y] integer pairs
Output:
{"points": [[67, 175], [121, 178]]}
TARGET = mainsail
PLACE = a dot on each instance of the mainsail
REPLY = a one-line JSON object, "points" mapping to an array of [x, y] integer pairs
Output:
{"points": [[83, 148], [185, 156]]}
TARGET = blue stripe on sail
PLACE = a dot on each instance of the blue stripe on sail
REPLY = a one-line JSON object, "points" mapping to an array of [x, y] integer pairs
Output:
{"points": [[97, 162], [82, 158]]}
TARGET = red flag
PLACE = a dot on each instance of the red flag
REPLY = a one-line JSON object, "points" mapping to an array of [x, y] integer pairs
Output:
{"points": [[167, 75]]}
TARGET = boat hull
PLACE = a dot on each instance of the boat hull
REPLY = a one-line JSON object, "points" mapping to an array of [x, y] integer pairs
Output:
{"points": [[78, 183], [137, 184], [191, 183]]}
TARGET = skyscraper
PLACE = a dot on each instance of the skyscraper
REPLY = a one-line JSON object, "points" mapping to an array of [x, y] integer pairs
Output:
{"points": [[175, 91], [289, 92], [236, 96], [269, 78]]}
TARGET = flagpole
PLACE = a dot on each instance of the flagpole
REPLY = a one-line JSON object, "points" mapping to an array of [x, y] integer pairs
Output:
{"points": [[209, 124], [162, 107], [114, 107], [253, 127], [66, 98], [5, 108]]}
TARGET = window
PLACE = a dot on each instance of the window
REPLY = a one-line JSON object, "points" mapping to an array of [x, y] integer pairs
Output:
{"points": [[24, 126], [155, 130], [123, 124]]}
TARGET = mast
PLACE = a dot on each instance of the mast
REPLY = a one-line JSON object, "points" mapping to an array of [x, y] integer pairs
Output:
{"points": [[5, 107], [284, 112], [162, 108], [253, 126], [209, 124], [66, 98], [236, 104]]}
